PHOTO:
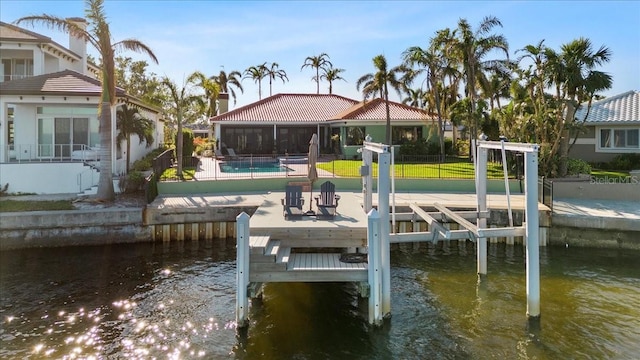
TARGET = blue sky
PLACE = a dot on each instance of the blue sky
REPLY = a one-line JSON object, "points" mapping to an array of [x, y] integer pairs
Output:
{"points": [[208, 35]]}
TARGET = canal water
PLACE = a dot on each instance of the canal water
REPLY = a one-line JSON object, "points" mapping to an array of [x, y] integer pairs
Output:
{"points": [[176, 301]]}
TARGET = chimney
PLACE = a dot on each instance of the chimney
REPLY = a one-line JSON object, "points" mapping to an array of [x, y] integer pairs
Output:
{"points": [[223, 103], [79, 45]]}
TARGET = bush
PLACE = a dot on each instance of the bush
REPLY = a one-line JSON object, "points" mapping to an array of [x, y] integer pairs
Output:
{"points": [[625, 162], [578, 166], [131, 182], [187, 147]]}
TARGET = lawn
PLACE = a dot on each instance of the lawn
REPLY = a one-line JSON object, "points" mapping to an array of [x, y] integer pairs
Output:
{"points": [[609, 174], [34, 205], [450, 170]]}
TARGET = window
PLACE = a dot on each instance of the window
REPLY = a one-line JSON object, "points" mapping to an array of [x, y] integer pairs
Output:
{"points": [[616, 139], [14, 69], [404, 134], [355, 135], [62, 130]]}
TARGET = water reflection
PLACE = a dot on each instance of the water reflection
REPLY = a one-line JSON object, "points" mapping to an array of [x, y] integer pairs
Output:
{"points": [[177, 300]]}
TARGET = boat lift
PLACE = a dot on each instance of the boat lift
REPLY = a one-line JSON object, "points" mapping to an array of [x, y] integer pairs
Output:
{"points": [[380, 236]]}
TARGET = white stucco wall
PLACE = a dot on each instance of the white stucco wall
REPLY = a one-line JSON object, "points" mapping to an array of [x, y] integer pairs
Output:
{"points": [[43, 178]]}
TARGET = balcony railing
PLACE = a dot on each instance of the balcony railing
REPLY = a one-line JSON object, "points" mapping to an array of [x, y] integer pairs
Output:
{"points": [[50, 153], [14, 77]]}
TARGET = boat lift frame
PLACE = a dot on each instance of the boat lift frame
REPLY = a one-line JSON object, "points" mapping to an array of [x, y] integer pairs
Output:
{"points": [[380, 236]]}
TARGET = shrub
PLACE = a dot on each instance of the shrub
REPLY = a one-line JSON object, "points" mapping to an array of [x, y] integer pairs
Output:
{"points": [[578, 166], [625, 162], [187, 147]]}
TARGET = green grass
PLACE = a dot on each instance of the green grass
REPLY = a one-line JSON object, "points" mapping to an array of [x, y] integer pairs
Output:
{"points": [[454, 170], [29, 205], [609, 174], [188, 173]]}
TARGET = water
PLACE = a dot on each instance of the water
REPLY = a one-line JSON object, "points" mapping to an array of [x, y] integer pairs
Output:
{"points": [[143, 301], [247, 166]]}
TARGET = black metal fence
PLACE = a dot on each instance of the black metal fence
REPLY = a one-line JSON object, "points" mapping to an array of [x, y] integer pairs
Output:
{"points": [[545, 192], [161, 163], [261, 166]]}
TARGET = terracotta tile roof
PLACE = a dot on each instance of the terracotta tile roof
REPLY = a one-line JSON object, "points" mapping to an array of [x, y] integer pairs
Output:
{"points": [[619, 109], [67, 82], [376, 110], [314, 108], [290, 108]]}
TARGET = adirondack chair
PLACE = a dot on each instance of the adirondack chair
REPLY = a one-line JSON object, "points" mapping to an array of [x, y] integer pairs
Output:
{"points": [[292, 202], [327, 201]]}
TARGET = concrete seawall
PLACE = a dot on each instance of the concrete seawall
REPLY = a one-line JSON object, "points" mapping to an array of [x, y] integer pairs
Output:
{"points": [[71, 227]]}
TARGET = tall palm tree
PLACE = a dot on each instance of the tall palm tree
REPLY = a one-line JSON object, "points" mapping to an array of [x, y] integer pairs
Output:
{"points": [[579, 81], [415, 98], [332, 74], [98, 35], [379, 82], [211, 92], [471, 47], [130, 122], [272, 72], [256, 73], [318, 62], [229, 81], [183, 100]]}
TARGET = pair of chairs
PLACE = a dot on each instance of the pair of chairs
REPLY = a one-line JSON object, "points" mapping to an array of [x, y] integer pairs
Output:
{"points": [[326, 202]]}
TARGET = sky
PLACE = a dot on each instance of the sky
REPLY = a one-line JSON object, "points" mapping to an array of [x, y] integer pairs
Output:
{"points": [[208, 36]]}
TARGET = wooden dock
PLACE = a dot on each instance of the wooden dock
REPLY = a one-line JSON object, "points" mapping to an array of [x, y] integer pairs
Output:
{"points": [[306, 249]]}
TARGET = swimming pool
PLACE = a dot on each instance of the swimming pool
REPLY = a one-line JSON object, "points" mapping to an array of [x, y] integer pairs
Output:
{"points": [[252, 166]]}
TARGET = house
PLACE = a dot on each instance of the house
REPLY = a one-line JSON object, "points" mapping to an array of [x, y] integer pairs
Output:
{"points": [[284, 123], [612, 128], [49, 101]]}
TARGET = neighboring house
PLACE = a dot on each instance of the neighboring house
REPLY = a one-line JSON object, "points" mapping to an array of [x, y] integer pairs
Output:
{"points": [[49, 101], [284, 123], [612, 128]]}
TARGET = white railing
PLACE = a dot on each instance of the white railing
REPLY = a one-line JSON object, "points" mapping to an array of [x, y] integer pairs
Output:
{"points": [[49, 153], [87, 179]]}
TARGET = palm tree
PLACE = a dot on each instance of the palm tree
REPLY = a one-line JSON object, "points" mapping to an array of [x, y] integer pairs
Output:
{"points": [[332, 74], [182, 100], [578, 81], [99, 36], [415, 98], [211, 92], [379, 82], [130, 122], [256, 73], [273, 72], [319, 62], [471, 47], [228, 81]]}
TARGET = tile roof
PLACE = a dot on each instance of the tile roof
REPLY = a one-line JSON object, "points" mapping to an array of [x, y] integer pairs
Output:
{"points": [[619, 109], [12, 32], [291, 108], [67, 82], [376, 110], [315, 108]]}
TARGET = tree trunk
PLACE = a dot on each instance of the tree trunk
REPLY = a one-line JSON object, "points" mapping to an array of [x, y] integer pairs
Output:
{"points": [[386, 105], [105, 181], [179, 145], [564, 141], [128, 152]]}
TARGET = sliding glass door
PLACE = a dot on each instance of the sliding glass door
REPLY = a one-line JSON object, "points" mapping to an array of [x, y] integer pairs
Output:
{"points": [[61, 136]]}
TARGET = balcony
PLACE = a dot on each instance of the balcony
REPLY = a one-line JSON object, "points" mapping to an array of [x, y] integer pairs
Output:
{"points": [[28, 153], [11, 77]]}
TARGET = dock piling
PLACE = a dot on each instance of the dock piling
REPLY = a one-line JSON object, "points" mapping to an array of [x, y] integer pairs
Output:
{"points": [[374, 267], [242, 266]]}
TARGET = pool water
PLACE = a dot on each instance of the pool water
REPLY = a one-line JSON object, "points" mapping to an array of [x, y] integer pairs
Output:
{"points": [[248, 166], [176, 301]]}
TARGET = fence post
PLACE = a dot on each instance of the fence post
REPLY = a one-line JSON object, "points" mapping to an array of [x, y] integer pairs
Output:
{"points": [[242, 269]]}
